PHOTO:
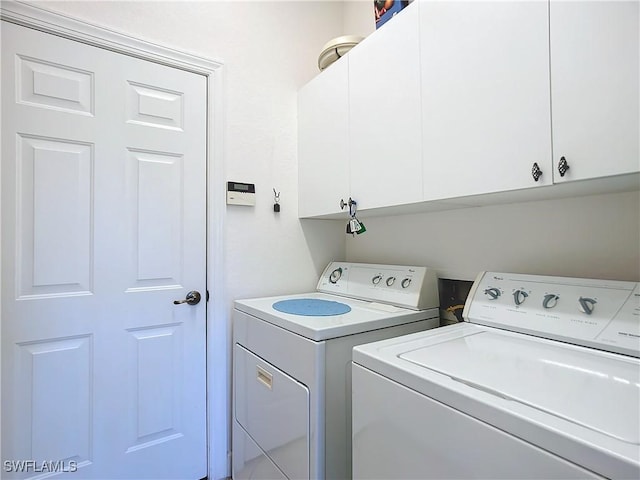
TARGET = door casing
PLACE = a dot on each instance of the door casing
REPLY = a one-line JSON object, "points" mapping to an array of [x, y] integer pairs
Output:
{"points": [[217, 322]]}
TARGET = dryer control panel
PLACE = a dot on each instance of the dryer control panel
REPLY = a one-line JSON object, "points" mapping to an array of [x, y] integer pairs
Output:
{"points": [[415, 288], [603, 314]]}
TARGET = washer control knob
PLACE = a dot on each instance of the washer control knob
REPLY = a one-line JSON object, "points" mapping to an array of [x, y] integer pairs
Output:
{"points": [[376, 280], [405, 282], [550, 300], [586, 305], [519, 296], [391, 281], [493, 293], [335, 275]]}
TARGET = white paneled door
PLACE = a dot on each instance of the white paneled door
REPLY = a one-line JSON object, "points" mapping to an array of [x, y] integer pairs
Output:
{"points": [[103, 227]]}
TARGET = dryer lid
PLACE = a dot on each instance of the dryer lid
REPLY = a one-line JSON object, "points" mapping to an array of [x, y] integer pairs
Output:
{"points": [[595, 389]]}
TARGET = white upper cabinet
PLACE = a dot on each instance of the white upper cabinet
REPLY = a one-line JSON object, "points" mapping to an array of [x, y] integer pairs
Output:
{"points": [[457, 99], [485, 97], [594, 87], [384, 108], [323, 135]]}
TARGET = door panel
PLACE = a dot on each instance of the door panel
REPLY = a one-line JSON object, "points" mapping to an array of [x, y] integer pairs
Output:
{"points": [[54, 178], [157, 415], [104, 226], [156, 179], [44, 368], [154, 107], [58, 87]]}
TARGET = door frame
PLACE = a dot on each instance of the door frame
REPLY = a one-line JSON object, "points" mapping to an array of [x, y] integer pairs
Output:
{"points": [[217, 380]]}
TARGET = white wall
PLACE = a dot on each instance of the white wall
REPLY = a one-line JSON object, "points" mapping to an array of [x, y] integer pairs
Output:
{"points": [[594, 236], [359, 18]]}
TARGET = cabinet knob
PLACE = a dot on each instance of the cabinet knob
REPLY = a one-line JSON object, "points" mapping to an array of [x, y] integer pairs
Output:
{"points": [[563, 166], [351, 204], [344, 204], [536, 172]]}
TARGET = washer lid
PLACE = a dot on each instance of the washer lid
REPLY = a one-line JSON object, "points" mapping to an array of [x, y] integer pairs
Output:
{"points": [[594, 389]]}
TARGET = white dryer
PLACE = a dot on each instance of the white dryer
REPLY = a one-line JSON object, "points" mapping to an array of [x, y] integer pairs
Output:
{"points": [[292, 365], [542, 380]]}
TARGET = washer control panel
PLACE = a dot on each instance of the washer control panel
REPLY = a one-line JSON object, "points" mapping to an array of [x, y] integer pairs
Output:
{"points": [[404, 286], [602, 314]]}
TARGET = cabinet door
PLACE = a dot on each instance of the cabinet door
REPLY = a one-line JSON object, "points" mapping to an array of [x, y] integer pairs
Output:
{"points": [[485, 96], [323, 169], [594, 87], [384, 97]]}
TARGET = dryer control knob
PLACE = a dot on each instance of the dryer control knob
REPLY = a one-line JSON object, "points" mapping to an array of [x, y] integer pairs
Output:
{"points": [[335, 275], [405, 282], [519, 296], [376, 280], [391, 281], [493, 293]]}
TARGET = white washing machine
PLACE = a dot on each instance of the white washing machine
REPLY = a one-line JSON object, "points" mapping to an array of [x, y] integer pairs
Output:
{"points": [[292, 365], [541, 381]]}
